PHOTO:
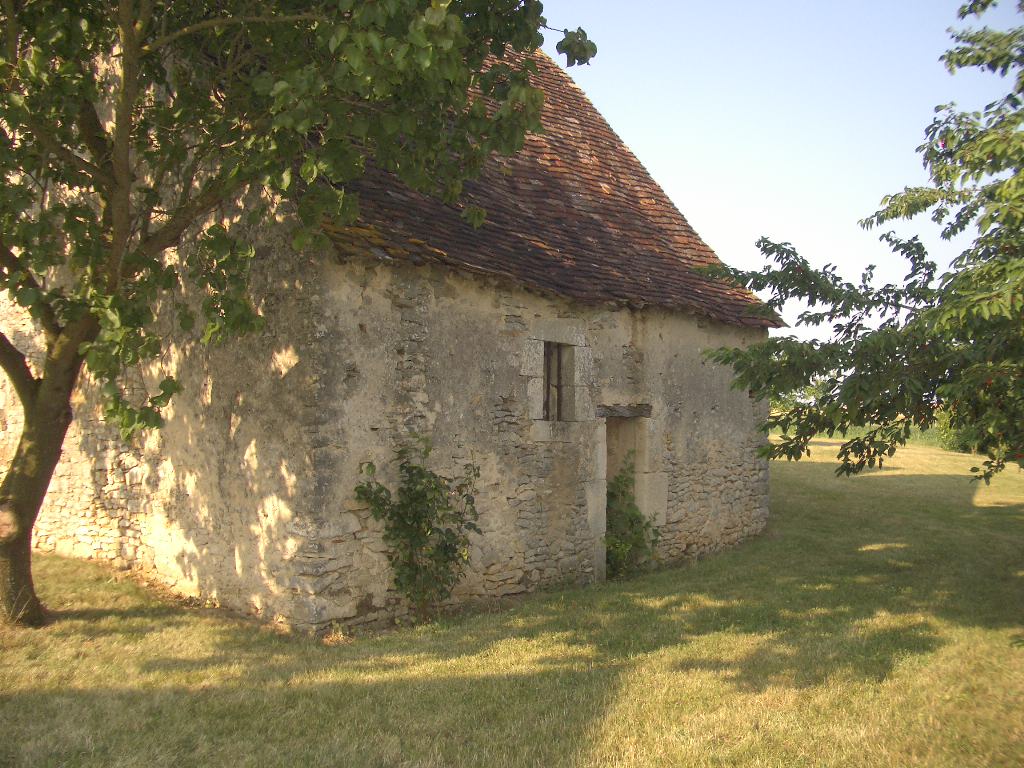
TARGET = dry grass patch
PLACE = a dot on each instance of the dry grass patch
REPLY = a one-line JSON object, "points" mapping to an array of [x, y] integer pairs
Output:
{"points": [[880, 621]]}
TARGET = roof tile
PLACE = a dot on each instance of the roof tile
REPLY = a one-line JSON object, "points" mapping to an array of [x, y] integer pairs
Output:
{"points": [[574, 213]]}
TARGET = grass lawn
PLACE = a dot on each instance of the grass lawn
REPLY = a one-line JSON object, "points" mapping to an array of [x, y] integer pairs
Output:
{"points": [[878, 622]]}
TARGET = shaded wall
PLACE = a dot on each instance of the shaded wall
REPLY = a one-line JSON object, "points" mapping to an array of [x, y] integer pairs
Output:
{"points": [[208, 504]]}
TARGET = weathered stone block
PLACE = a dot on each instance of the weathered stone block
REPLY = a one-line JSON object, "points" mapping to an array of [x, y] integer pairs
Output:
{"points": [[560, 331], [578, 405], [597, 509], [583, 366], [652, 496], [533, 358], [599, 452], [535, 397], [339, 525]]}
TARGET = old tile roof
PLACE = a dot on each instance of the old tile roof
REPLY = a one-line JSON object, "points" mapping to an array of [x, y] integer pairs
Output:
{"points": [[574, 213]]}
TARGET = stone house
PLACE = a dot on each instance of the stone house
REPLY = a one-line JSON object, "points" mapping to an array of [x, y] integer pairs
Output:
{"points": [[544, 347]]}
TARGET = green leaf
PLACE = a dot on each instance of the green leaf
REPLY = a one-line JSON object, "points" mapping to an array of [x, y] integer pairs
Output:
{"points": [[186, 319], [309, 169], [337, 37], [474, 215], [27, 296], [435, 15], [301, 239]]}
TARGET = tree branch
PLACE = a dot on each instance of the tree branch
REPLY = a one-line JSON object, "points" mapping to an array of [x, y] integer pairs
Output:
{"points": [[200, 26], [170, 233], [10, 32], [47, 318], [55, 148], [16, 367], [145, 16], [94, 137], [119, 201]]}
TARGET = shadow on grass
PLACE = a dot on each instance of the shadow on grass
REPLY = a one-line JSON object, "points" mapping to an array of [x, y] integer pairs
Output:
{"points": [[98, 614], [855, 576], [432, 720], [851, 583], [847, 592], [134, 622]]}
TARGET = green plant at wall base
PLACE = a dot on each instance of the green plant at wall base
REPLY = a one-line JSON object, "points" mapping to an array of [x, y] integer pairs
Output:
{"points": [[426, 524], [630, 538]]}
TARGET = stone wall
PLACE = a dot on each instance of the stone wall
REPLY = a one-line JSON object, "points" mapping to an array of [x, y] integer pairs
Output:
{"points": [[246, 496], [208, 504], [91, 510]]}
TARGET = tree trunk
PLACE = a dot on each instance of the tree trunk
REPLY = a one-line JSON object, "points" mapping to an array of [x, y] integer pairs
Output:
{"points": [[47, 417], [18, 601]]}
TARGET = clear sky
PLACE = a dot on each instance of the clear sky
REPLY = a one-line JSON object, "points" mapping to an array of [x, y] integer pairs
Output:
{"points": [[787, 118]]}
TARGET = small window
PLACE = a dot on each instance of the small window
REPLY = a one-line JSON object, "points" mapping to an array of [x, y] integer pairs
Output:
{"points": [[557, 378]]}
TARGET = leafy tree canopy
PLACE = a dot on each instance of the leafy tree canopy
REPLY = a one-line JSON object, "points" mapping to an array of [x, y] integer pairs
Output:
{"points": [[954, 341], [125, 124]]}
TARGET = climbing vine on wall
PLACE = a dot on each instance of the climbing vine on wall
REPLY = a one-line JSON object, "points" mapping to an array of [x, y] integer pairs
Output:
{"points": [[427, 523], [630, 537]]}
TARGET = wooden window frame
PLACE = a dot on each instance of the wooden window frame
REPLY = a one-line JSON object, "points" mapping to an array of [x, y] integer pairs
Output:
{"points": [[555, 380]]}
